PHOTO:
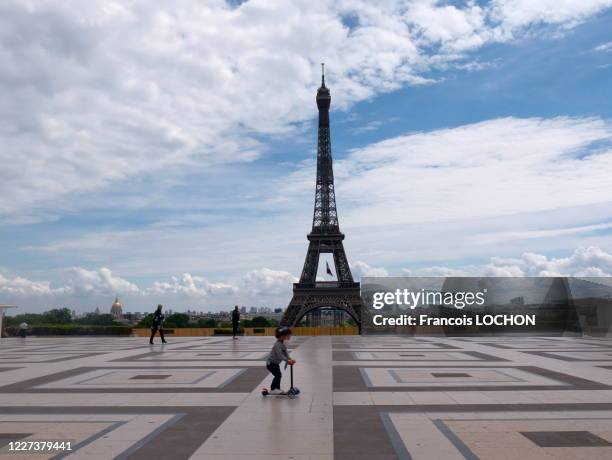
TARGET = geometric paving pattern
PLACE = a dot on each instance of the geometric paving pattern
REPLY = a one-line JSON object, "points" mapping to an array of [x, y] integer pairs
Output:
{"points": [[518, 436], [115, 435], [572, 355], [433, 377], [120, 397], [363, 397], [145, 378], [548, 398]]}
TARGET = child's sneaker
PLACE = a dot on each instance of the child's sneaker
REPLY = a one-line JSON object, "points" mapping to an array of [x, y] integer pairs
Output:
{"points": [[276, 392]]}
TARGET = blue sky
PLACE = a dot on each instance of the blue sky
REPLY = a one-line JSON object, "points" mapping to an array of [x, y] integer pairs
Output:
{"points": [[151, 155]]}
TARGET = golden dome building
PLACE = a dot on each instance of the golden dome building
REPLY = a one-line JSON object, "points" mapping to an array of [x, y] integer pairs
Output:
{"points": [[117, 309]]}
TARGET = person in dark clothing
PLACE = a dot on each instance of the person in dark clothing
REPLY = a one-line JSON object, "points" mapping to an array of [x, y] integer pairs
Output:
{"points": [[235, 321], [158, 320]]}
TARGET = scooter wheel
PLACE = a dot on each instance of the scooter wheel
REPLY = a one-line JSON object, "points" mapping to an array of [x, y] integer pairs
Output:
{"points": [[296, 390], [265, 392]]}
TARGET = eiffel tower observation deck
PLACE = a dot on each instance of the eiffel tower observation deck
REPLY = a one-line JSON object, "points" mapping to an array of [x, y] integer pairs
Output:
{"points": [[325, 237]]}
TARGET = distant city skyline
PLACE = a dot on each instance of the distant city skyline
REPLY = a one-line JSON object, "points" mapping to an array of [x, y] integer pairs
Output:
{"points": [[154, 152]]}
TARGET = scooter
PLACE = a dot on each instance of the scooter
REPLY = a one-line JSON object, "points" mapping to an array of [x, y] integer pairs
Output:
{"points": [[290, 393]]}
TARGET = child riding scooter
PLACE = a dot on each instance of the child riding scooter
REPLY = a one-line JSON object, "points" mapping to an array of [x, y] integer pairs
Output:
{"points": [[277, 355]]}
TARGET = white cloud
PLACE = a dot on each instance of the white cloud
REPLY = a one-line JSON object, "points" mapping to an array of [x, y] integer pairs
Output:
{"points": [[584, 262], [588, 261], [604, 47], [515, 15], [502, 236], [437, 270], [504, 186], [23, 287], [101, 281], [97, 93], [75, 281], [81, 288], [493, 168], [360, 269], [370, 126], [266, 282], [191, 286]]}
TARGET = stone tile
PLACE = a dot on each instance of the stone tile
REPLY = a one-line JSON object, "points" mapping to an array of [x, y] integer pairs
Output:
{"points": [[565, 439]]}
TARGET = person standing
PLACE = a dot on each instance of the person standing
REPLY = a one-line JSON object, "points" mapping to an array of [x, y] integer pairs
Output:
{"points": [[235, 321], [23, 329], [158, 320]]}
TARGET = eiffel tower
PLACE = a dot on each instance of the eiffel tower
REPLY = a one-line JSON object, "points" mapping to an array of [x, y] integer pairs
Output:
{"points": [[325, 237]]}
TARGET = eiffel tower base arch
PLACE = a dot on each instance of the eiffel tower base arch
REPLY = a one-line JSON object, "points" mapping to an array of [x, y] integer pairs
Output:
{"points": [[305, 300]]}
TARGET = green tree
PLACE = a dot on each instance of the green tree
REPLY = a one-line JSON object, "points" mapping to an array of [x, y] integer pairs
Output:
{"points": [[147, 321], [57, 316], [207, 323], [97, 320], [260, 321], [177, 320], [30, 318]]}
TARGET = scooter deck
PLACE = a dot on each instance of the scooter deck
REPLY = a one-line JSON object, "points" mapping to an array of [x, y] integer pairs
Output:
{"points": [[292, 393], [267, 392]]}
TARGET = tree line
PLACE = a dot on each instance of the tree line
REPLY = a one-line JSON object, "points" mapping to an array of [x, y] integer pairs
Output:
{"points": [[63, 316], [179, 320]]}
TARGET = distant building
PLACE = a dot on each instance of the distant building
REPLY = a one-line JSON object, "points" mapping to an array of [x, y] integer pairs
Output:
{"points": [[132, 318], [117, 309], [325, 317]]}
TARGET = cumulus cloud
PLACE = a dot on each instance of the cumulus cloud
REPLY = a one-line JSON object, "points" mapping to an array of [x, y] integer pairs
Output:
{"points": [[101, 281], [584, 262], [360, 269], [267, 282], [23, 287], [73, 281], [516, 15], [587, 262], [100, 92], [84, 289], [78, 286], [191, 286]]}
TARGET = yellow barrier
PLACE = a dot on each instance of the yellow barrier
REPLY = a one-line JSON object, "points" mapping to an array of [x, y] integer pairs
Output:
{"points": [[248, 331], [325, 330], [177, 332]]}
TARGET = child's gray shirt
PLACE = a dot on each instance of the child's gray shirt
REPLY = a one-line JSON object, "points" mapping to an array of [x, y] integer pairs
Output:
{"points": [[279, 353]]}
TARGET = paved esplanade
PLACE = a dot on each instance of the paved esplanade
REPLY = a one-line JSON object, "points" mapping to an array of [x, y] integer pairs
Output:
{"points": [[362, 398]]}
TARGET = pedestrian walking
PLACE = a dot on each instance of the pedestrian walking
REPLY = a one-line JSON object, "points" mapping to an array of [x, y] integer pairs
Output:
{"points": [[235, 321], [158, 321]]}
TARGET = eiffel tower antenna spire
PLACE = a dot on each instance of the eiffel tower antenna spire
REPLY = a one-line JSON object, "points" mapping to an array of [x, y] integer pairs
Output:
{"points": [[322, 74]]}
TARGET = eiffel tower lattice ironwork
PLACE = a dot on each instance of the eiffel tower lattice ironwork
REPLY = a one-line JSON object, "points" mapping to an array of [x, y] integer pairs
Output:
{"points": [[325, 237]]}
